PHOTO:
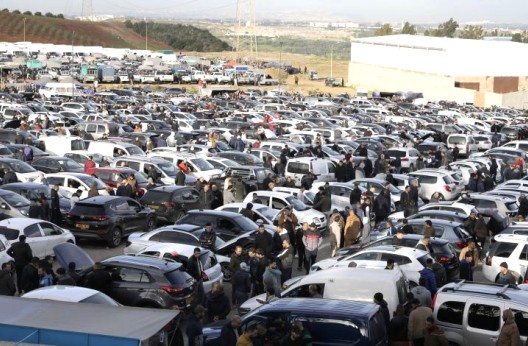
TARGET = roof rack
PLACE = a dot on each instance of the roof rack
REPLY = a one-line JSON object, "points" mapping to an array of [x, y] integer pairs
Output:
{"points": [[500, 293]]}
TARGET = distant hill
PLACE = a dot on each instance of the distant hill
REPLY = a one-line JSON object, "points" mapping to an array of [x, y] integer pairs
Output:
{"points": [[59, 31], [181, 37]]}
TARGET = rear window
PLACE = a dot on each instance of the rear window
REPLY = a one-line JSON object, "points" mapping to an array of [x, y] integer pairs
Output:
{"points": [[178, 277], [423, 260], [457, 140], [448, 180], [88, 209], [9, 233], [396, 153], [502, 249], [512, 206], [156, 197]]}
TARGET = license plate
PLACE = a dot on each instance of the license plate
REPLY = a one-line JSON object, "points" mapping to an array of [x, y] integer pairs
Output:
{"points": [[154, 207], [82, 226]]}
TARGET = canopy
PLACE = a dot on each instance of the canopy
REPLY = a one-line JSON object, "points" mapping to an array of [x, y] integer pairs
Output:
{"points": [[93, 319]]}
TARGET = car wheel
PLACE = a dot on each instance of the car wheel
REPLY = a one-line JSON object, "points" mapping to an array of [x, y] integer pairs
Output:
{"points": [[151, 224], [115, 238], [226, 271]]}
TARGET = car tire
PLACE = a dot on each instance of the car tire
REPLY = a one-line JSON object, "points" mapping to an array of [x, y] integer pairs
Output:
{"points": [[115, 237], [151, 224], [226, 271]]}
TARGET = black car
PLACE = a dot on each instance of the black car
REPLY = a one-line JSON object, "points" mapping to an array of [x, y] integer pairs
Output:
{"points": [[441, 251], [172, 202], [227, 225], [32, 192], [253, 177], [241, 158], [57, 164], [136, 280], [109, 218]]}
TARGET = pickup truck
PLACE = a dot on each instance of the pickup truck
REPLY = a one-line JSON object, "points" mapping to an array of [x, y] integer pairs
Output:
{"points": [[269, 81], [197, 76], [164, 76], [217, 78]]}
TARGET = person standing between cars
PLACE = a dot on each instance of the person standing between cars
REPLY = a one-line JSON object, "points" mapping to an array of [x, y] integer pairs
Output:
{"points": [[194, 328], [379, 301], [241, 285], [45, 277], [416, 326], [206, 197], [466, 267], [64, 278], [509, 334], [421, 292], [99, 279], [21, 253], [217, 303], [301, 254], [195, 269], [231, 332], [335, 229], [264, 240], [29, 279], [352, 228], [272, 277], [312, 241], [472, 249], [380, 207], [429, 230], [180, 178], [322, 201], [289, 222], [398, 327], [286, 259], [56, 216], [248, 211], [234, 266], [505, 276], [405, 201], [89, 165], [429, 275], [246, 339], [424, 244], [433, 335], [229, 195], [7, 284]]}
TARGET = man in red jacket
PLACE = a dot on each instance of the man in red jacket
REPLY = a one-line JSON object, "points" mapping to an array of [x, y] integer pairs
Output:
{"points": [[89, 165]]}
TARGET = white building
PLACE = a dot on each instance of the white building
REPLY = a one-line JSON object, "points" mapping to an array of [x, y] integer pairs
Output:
{"points": [[484, 72]]}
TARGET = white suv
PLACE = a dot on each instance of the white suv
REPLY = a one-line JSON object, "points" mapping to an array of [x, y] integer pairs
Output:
{"points": [[436, 181], [470, 313], [509, 248]]}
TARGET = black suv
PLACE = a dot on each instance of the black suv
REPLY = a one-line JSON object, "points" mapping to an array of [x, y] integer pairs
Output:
{"points": [[109, 218], [227, 225], [442, 251], [137, 281], [172, 202]]}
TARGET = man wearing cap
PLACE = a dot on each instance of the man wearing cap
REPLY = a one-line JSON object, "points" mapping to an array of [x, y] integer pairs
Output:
{"points": [[194, 326], [195, 269], [505, 276], [248, 211], [312, 240]]}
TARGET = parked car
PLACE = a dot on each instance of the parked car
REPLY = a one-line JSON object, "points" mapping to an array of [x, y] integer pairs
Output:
{"points": [[56, 164], [261, 212], [171, 203], [509, 248], [431, 182], [33, 191], [42, 236], [23, 171], [69, 183], [109, 218], [137, 280], [72, 294], [13, 205]]}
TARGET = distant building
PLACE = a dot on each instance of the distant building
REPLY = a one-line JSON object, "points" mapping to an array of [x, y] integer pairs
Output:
{"points": [[99, 18], [482, 72]]}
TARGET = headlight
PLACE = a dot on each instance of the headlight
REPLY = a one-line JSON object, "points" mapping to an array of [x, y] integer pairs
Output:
{"points": [[316, 220]]}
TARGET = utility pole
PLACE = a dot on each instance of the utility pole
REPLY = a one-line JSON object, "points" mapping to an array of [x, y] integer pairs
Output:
{"points": [[244, 31], [71, 68], [25, 29], [146, 34], [280, 67], [332, 61]]}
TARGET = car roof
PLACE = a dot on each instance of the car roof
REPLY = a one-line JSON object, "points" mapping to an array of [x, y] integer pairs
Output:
{"points": [[318, 306], [181, 249], [21, 222], [67, 174], [183, 227], [61, 293], [144, 261], [114, 169], [487, 289], [418, 237], [101, 199], [409, 251], [435, 221], [169, 188], [510, 237], [215, 212]]}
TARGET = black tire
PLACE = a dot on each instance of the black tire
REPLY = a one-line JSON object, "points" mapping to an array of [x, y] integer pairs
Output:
{"points": [[151, 224], [226, 271], [115, 237]]}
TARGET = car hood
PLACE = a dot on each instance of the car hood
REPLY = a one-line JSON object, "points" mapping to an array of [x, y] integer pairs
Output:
{"points": [[67, 252], [326, 263]]}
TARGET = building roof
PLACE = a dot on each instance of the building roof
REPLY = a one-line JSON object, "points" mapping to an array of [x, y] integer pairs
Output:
{"points": [[441, 55]]}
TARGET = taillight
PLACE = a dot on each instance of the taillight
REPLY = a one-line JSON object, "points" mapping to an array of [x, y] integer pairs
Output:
{"points": [[168, 205], [447, 188], [100, 217], [433, 302], [404, 159], [460, 244], [488, 260], [173, 291], [444, 259]]}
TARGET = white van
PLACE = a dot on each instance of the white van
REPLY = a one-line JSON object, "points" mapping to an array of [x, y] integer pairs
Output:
{"points": [[297, 168], [466, 143], [142, 164], [59, 89], [359, 284], [60, 145], [115, 148], [198, 166]]}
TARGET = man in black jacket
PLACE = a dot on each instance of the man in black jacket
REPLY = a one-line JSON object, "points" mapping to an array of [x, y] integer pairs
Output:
{"points": [[30, 278], [208, 237], [99, 279], [22, 254], [405, 201], [264, 240], [241, 285], [195, 269], [355, 195], [231, 332], [7, 285], [322, 201]]}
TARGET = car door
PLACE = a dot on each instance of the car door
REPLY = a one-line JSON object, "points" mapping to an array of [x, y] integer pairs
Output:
{"points": [[127, 217], [129, 285], [35, 240], [483, 320], [340, 195], [52, 235]]}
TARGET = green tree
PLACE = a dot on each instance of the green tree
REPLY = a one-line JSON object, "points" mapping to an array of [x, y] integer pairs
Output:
{"points": [[384, 30], [5, 10], [60, 15], [16, 12], [128, 24], [472, 32], [38, 14], [446, 29], [408, 29], [28, 13], [49, 14], [517, 37]]}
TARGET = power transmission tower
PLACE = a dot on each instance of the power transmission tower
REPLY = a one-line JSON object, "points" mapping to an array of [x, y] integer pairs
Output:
{"points": [[245, 33], [87, 10]]}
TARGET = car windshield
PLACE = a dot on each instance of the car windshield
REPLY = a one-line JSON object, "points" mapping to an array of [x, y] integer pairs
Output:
{"points": [[135, 151], [168, 168], [77, 144], [15, 200], [268, 213], [69, 164], [296, 204], [100, 298], [330, 152], [246, 224], [202, 164], [88, 180], [21, 167]]}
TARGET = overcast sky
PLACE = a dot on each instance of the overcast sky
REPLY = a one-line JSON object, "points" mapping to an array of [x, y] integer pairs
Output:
{"points": [[416, 11]]}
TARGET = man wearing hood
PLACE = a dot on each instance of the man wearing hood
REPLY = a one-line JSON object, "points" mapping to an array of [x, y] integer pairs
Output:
{"points": [[433, 335], [509, 335]]}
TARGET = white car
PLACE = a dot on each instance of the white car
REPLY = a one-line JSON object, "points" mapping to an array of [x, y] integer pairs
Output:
{"points": [[72, 294], [24, 172], [42, 236], [69, 183], [410, 260], [340, 193], [408, 157], [181, 253], [4, 246], [262, 212], [221, 163], [436, 181], [280, 200], [509, 248]]}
